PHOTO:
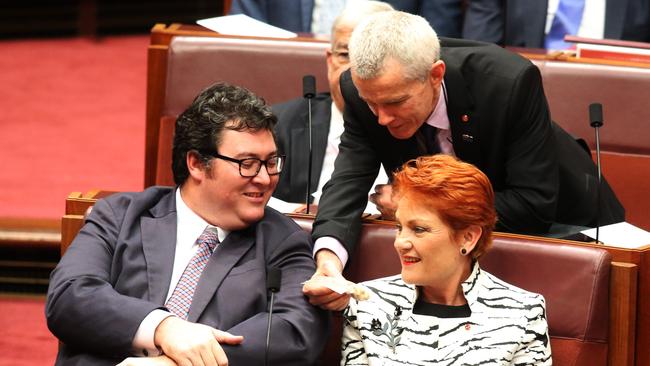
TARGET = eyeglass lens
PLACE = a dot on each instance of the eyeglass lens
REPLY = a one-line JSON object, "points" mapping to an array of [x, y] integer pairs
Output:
{"points": [[251, 167]]}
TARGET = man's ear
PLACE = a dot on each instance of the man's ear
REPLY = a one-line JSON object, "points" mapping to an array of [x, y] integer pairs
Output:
{"points": [[328, 57], [438, 71], [195, 165]]}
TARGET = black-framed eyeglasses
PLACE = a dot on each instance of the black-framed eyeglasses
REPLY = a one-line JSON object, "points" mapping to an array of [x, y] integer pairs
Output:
{"points": [[250, 167]]}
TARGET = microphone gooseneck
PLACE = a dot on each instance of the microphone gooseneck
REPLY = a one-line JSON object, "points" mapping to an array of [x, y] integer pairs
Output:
{"points": [[273, 282], [309, 92], [596, 121]]}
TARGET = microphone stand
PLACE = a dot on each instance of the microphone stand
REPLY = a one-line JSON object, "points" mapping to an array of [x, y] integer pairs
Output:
{"points": [[309, 92], [273, 282], [596, 121], [268, 330], [310, 158]]}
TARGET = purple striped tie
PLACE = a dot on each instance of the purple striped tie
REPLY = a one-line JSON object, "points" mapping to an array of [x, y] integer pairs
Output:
{"points": [[181, 299]]}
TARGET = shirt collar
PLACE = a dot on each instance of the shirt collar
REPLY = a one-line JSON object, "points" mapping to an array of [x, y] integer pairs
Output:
{"points": [[191, 223], [439, 118], [469, 286]]}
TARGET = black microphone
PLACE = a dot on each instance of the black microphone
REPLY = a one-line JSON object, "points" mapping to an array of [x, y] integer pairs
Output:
{"points": [[309, 86], [273, 281], [596, 121], [309, 92]]}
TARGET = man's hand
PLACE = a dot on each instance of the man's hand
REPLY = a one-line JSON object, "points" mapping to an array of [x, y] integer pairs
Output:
{"points": [[328, 265], [148, 361], [383, 199], [193, 344]]}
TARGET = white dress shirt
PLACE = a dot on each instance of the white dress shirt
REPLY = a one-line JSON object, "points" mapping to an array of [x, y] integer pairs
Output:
{"points": [[189, 226], [332, 151]]}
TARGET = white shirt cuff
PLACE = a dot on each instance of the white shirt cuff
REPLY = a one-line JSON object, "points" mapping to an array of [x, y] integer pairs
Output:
{"points": [[143, 344], [331, 243]]}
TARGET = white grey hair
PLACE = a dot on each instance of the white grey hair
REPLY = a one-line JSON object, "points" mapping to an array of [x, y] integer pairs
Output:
{"points": [[403, 37], [355, 11]]}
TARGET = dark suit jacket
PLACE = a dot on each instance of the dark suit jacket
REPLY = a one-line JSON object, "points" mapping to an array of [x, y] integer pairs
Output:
{"points": [[445, 16], [521, 23], [118, 270], [294, 15], [292, 135], [509, 136]]}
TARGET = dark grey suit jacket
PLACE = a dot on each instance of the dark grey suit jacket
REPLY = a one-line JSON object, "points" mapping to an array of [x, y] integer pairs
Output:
{"points": [[539, 173], [521, 23], [292, 133], [118, 270]]}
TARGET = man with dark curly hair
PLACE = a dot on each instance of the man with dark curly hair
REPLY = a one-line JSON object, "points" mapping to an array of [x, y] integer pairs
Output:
{"points": [[178, 273]]}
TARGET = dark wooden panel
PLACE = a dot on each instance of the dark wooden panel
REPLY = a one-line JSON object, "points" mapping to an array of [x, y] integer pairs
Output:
{"points": [[42, 18]]}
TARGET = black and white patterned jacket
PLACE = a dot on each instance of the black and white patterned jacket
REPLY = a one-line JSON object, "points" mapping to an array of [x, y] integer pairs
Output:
{"points": [[507, 326]]}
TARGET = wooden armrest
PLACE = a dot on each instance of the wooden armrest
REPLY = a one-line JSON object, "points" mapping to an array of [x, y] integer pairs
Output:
{"points": [[76, 207]]}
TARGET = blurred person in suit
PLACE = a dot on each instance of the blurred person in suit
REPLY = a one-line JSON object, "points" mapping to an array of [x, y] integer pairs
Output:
{"points": [[327, 117], [178, 273], [409, 94], [528, 23], [314, 16]]}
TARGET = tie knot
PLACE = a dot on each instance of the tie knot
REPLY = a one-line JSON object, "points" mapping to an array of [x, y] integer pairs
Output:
{"points": [[209, 238]]}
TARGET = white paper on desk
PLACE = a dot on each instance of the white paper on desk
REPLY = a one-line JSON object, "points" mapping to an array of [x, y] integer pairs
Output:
{"points": [[370, 207], [243, 25], [622, 235], [283, 206]]}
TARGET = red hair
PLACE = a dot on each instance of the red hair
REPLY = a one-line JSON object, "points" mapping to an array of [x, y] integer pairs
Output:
{"points": [[459, 193]]}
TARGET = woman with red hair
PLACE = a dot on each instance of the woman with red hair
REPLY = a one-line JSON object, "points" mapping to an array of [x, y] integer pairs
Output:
{"points": [[443, 309]]}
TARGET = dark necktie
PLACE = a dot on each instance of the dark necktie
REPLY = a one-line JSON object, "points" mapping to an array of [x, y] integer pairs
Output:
{"points": [[181, 299], [427, 141]]}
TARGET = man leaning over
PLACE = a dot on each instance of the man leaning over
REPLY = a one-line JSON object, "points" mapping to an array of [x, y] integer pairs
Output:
{"points": [[409, 94]]}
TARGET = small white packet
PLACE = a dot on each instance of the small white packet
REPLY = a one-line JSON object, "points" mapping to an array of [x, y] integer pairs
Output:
{"points": [[343, 286]]}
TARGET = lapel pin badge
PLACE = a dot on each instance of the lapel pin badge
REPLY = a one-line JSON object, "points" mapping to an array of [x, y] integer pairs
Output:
{"points": [[464, 118]]}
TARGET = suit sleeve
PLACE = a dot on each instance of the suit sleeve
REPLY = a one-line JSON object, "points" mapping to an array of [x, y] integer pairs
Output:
{"points": [[299, 330], [527, 202], [83, 309], [484, 21], [345, 195]]}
